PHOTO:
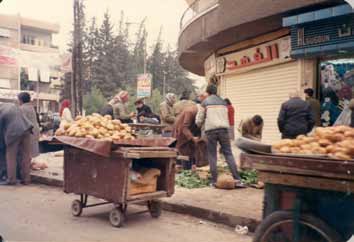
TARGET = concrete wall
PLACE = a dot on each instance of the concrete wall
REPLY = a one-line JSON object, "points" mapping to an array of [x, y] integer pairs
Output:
{"points": [[234, 21]]}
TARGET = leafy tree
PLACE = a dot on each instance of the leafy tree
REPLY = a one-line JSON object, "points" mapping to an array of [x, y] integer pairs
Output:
{"points": [[94, 100], [105, 72], [155, 100]]}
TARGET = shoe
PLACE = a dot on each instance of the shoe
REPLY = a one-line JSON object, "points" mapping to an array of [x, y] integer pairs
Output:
{"points": [[212, 185], [6, 183], [240, 184]]}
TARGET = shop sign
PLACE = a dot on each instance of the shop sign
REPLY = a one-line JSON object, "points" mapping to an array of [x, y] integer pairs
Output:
{"points": [[260, 56], [8, 55], [144, 85], [11, 94], [316, 36], [210, 66]]}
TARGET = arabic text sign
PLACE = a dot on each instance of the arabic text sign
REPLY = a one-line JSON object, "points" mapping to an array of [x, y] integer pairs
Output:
{"points": [[7, 55], [144, 85], [262, 55]]}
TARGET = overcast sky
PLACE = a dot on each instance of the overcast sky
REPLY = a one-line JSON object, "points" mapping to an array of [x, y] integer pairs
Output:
{"points": [[158, 12]]}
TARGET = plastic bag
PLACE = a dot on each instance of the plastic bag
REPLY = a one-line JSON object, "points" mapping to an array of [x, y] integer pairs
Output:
{"points": [[344, 118]]}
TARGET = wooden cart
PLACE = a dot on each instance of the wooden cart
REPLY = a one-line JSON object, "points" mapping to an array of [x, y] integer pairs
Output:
{"points": [[306, 199], [107, 178]]}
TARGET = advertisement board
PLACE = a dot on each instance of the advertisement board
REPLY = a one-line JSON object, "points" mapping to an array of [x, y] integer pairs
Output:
{"points": [[144, 85]]}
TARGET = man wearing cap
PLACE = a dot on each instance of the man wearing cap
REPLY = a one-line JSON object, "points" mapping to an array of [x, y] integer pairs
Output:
{"points": [[144, 113]]}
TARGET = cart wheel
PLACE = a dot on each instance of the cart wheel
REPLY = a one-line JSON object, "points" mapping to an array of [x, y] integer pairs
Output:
{"points": [[76, 208], [154, 208], [116, 217], [278, 227]]}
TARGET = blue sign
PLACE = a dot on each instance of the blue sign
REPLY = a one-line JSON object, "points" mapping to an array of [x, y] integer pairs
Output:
{"points": [[333, 35]]}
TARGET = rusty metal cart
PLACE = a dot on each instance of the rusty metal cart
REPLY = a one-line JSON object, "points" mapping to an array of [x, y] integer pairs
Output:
{"points": [[306, 199], [106, 177]]}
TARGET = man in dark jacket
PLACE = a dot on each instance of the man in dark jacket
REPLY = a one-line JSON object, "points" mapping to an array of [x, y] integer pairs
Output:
{"points": [[315, 106], [295, 117], [351, 107], [15, 130]]}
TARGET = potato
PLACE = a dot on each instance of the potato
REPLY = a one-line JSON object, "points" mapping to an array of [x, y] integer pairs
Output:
{"points": [[342, 156], [324, 142], [285, 149]]}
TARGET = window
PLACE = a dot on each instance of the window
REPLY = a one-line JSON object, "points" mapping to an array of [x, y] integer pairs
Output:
{"points": [[336, 88]]}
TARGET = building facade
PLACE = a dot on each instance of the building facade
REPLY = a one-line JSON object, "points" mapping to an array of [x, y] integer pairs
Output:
{"points": [[247, 48], [29, 61]]}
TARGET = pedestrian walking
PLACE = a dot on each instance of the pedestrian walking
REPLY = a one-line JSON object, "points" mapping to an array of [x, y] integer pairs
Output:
{"points": [[16, 130], [252, 128], [231, 115], [295, 117], [167, 114], [315, 106], [217, 126], [65, 113], [27, 109]]}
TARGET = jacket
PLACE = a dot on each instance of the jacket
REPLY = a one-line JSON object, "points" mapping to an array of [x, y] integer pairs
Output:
{"points": [[179, 106], [167, 116], [251, 131], [28, 110], [215, 113], [295, 118], [231, 115], [316, 109], [107, 110], [351, 106], [120, 111], [184, 130], [13, 124]]}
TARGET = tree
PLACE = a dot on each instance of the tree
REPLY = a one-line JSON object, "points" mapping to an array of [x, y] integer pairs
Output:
{"points": [[155, 100], [94, 101], [105, 71], [155, 64]]}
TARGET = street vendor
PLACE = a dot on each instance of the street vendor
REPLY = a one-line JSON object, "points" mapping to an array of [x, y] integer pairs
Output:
{"points": [[120, 108], [188, 136], [252, 128], [145, 114], [15, 130], [167, 114]]}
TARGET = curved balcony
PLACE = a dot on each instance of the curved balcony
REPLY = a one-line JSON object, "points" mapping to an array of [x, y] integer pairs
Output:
{"points": [[209, 25], [197, 9]]}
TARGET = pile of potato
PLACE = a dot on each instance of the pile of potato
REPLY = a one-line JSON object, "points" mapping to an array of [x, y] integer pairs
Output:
{"points": [[336, 142], [96, 126]]}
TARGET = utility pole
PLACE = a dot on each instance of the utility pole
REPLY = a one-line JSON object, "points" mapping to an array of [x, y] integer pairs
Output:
{"points": [[164, 83], [76, 84]]}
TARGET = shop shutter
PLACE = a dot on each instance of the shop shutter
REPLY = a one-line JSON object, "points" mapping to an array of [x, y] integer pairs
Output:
{"points": [[262, 92]]}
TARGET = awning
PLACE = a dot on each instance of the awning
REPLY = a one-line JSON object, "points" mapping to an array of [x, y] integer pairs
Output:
{"points": [[319, 14]]}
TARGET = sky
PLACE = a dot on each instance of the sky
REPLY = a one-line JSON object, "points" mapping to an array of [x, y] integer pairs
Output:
{"points": [[158, 13], [165, 13]]}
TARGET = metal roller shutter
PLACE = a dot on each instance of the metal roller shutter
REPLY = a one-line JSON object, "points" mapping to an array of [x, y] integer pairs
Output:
{"points": [[262, 92]]}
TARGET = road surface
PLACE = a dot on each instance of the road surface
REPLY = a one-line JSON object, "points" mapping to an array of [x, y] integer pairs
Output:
{"points": [[40, 213]]}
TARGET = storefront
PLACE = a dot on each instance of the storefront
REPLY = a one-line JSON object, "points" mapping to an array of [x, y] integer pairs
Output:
{"points": [[327, 37], [258, 80]]}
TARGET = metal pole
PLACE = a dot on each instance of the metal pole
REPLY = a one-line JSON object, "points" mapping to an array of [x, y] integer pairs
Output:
{"points": [[144, 56], [164, 84]]}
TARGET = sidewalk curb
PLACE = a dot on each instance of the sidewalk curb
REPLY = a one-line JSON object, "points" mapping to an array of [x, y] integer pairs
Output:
{"points": [[46, 181], [202, 213], [211, 215]]}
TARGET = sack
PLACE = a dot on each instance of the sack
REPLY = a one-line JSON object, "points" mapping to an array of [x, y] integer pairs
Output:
{"points": [[344, 118]]}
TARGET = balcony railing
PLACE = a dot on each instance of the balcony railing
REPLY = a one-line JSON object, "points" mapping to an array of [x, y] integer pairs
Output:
{"points": [[197, 9]]}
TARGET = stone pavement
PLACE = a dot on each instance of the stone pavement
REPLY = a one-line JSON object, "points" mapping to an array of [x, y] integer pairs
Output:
{"points": [[229, 207]]}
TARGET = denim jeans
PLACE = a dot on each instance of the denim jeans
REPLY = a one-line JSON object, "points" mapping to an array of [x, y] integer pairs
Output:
{"points": [[221, 136]]}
